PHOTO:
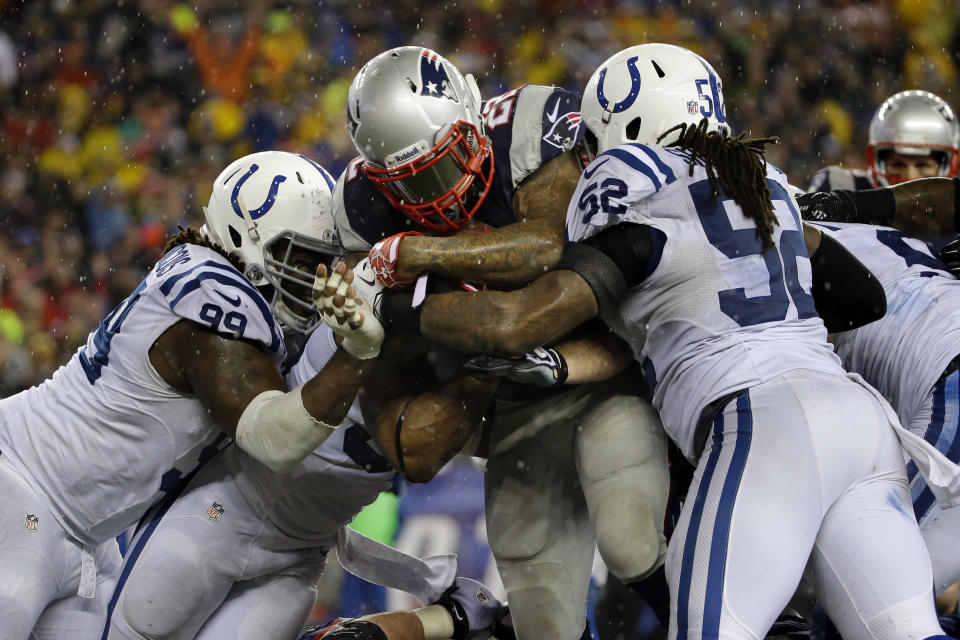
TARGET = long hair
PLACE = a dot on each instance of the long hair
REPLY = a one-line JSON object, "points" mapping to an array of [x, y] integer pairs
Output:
{"points": [[190, 235], [736, 166]]}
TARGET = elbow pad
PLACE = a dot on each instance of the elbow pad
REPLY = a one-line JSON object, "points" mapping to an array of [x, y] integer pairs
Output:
{"points": [[276, 430], [614, 260], [846, 294]]}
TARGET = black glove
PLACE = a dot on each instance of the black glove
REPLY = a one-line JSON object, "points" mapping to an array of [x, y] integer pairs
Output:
{"points": [[823, 206], [542, 367], [950, 256]]}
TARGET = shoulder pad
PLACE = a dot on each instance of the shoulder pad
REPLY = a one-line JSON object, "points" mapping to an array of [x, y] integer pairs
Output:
{"points": [[202, 286], [362, 215], [531, 125], [836, 177], [606, 192]]}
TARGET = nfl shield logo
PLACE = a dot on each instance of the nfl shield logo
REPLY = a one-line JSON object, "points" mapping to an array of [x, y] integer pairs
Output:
{"points": [[31, 522], [215, 511], [692, 107]]}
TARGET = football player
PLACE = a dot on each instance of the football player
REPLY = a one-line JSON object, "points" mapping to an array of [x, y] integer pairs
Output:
{"points": [[910, 356], [188, 360], [914, 134], [692, 249], [584, 461]]}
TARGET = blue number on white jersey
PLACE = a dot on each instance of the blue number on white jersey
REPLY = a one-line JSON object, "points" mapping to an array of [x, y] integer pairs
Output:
{"points": [[93, 363], [736, 243]]}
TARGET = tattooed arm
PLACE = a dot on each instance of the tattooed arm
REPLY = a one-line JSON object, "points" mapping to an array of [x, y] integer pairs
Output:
{"points": [[509, 322], [510, 255]]}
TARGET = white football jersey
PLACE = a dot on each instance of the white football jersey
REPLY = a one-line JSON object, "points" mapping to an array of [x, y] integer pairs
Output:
{"points": [[106, 436], [903, 353], [715, 314], [332, 484]]}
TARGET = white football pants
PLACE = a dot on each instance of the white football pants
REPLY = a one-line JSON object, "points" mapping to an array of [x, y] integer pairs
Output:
{"points": [[208, 565], [803, 466], [41, 569]]}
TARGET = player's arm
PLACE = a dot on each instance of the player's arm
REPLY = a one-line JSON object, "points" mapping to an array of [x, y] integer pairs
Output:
{"points": [[597, 355], [465, 610], [592, 276], [846, 294], [419, 424], [924, 207], [246, 397], [510, 255]]}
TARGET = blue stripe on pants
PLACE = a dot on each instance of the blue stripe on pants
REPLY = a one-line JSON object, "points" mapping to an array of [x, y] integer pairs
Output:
{"points": [[942, 432], [207, 454], [721, 526]]}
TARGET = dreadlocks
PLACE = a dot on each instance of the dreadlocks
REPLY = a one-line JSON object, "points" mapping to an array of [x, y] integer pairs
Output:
{"points": [[190, 235], [736, 167]]}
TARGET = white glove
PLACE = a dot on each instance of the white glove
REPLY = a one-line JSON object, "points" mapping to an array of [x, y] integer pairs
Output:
{"points": [[346, 312]]}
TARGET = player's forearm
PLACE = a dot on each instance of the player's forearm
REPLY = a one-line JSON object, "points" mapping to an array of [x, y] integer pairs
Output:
{"points": [[328, 395], [594, 358], [515, 254], [926, 207], [512, 322]]}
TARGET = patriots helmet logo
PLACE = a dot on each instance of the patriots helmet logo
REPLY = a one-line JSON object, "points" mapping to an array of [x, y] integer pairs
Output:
{"points": [[434, 80], [565, 131]]}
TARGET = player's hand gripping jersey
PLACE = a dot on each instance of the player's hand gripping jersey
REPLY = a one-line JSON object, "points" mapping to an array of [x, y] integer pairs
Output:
{"points": [[528, 127], [903, 353], [715, 313], [106, 436]]}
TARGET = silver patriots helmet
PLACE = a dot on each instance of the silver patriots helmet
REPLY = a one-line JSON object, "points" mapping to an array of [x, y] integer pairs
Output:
{"points": [[416, 121], [914, 123]]}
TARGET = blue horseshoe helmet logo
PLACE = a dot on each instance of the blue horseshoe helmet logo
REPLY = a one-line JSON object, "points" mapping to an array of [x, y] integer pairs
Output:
{"points": [[260, 211], [627, 102]]}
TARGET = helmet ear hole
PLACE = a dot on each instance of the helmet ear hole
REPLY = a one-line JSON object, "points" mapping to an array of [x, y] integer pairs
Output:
{"points": [[235, 236], [633, 129]]}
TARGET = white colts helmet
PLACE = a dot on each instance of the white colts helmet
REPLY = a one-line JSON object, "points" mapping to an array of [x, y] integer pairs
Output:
{"points": [[913, 123], [416, 121], [644, 90], [273, 209]]}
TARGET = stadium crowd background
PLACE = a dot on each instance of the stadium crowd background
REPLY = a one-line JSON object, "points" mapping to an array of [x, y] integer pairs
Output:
{"points": [[116, 116]]}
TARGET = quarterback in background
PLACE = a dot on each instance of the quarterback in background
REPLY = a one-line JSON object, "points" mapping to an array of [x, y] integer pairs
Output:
{"points": [[914, 134]]}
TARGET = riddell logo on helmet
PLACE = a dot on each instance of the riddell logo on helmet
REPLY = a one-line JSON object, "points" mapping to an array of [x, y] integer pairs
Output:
{"points": [[407, 153]]}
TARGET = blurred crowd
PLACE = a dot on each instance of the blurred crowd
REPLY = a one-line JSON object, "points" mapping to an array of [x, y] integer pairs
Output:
{"points": [[115, 117]]}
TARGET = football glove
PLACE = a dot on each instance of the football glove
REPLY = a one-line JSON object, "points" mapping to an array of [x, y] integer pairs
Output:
{"points": [[349, 315], [542, 367], [950, 256], [383, 258], [472, 606]]}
